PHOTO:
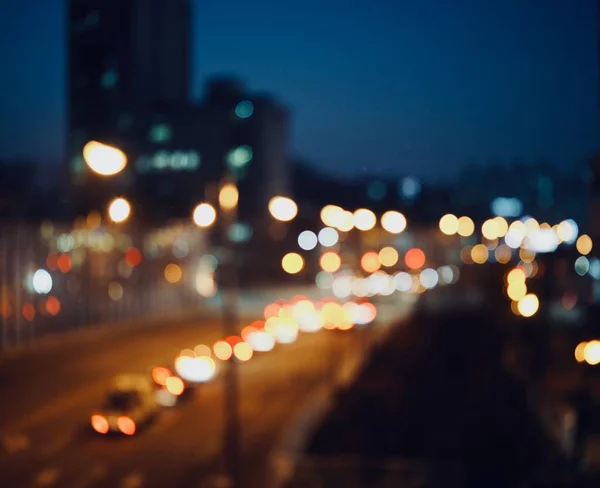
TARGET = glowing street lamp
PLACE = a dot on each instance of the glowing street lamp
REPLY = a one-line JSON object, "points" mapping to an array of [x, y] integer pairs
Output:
{"points": [[103, 159], [283, 209], [228, 196], [204, 215], [119, 210]]}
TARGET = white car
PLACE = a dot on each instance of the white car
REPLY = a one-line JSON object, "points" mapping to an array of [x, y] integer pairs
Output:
{"points": [[130, 405]]}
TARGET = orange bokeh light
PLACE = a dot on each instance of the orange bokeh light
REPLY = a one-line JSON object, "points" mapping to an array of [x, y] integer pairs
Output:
{"points": [[222, 350], [414, 258], [370, 262], [271, 310], [28, 311], [64, 263], [52, 305], [133, 257]]}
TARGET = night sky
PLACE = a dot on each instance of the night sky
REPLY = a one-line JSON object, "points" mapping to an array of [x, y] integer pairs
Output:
{"points": [[420, 86]]}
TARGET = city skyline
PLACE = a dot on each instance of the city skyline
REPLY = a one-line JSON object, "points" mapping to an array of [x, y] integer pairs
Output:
{"points": [[476, 82]]}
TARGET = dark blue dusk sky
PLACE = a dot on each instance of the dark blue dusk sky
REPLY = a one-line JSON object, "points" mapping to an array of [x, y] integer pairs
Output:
{"points": [[395, 86]]}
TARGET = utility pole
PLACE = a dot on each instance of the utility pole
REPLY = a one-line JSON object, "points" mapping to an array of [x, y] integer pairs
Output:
{"points": [[228, 199]]}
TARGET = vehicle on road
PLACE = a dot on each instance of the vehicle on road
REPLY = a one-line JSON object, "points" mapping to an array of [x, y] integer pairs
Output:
{"points": [[128, 407]]}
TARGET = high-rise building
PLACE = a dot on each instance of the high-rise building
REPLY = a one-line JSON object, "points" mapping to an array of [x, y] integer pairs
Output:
{"points": [[125, 57]]}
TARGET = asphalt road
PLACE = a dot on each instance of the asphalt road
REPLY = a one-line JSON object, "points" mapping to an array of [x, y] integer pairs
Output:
{"points": [[46, 399]]}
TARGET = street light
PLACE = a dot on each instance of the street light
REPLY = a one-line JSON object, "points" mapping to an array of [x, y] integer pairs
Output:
{"points": [[283, 209], [103, 159], [119, 210], [204, 215], [228, 196]]}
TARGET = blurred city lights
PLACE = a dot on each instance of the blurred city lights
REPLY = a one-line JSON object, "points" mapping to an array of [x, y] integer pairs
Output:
{"points": [[244, 109], [370, 262], [466, 226], [307, 240], [204, 215], [507, 207], [228, 196], [115, 291], [222, 350], [103, 159], [414, 258], [332, 215], [364, 219], [283, 209], [528, 305], [292, 263], [41, 282], [480, 254], [346, 223], [429, 278], [328, 237], [330, 262], [119, 210], [591, 352], [584, 244], [449, 224], [393, 222], [388, 256], [582, 265], [173, 273], [568, 231], [580, 352]]}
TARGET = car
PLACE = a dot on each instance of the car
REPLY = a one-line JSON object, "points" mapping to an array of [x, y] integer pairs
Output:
{"points": [[129, 406]]}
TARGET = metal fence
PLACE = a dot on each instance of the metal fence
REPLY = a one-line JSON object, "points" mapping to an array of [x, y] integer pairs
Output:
{"points": [[57, 278]]}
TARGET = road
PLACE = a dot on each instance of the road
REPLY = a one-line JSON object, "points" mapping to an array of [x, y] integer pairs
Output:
{"points": [[47, 398]]}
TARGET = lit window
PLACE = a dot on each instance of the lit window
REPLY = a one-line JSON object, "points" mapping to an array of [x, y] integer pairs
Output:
{"points": [[239, 157], [160, 133], [179, 160], [244, 109], [161, 160], [193, 160], [239, 232], [109, 78]]}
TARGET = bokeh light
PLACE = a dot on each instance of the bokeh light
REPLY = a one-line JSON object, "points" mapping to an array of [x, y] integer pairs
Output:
{"points": [[173, 273], [119, 210], [204, 215], [449, 224], [283, 209], [584, 244], [466, 226], [414, 258], [228, 196], [393, 222], [370, 262], [292, 263], [330, 262], [364, 219], [328, 237], [388, 256], [480, 253], [307, 240], [103, 159], [528, 305]]}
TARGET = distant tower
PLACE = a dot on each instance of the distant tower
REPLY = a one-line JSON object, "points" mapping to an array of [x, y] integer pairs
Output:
{"points": [[124, 57]]}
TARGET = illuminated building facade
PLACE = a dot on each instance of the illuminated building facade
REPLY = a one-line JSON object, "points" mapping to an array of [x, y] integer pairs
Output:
{"points": [[124, 57]]}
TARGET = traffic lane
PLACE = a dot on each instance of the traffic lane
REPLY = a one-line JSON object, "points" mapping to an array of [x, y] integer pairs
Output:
{"points": [[43, 391], [183, 446], [25, 382]]}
